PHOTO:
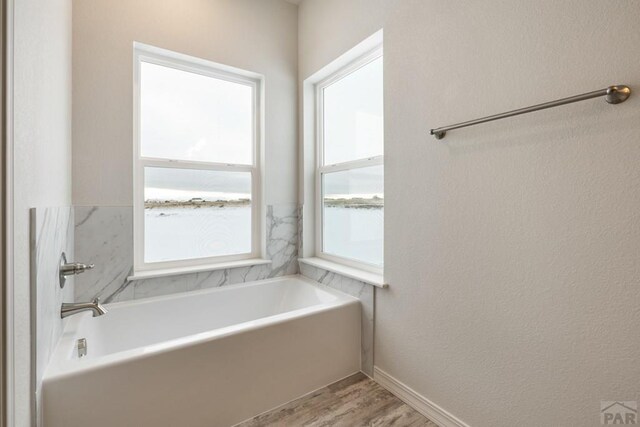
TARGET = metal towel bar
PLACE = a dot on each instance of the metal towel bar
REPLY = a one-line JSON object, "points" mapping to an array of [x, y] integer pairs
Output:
{"points": [[613, 95]]}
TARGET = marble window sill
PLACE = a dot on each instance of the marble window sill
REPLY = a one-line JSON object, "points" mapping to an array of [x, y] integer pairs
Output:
{"points": [[140, 275], [350, 272]]}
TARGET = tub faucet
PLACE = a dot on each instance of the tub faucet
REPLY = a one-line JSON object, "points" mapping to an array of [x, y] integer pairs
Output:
{"points": [[69, 309]]}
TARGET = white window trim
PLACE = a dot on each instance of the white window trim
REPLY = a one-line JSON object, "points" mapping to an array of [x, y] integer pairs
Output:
{"points": [[154, 55], [321, 168]]}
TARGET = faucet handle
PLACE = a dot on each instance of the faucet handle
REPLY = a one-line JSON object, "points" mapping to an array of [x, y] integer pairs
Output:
{"points": [[75, 268], [81, 268], [71, 268]]}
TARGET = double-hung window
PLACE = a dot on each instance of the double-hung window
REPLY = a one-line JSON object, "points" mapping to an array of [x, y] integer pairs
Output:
{"points": [[350, 172], [196, 165]]}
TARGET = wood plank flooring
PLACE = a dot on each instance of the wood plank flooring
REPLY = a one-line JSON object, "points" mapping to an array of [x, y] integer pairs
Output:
{"points": [[356, 401]]}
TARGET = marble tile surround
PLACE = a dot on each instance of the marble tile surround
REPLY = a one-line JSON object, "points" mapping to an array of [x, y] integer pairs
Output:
{"points": [[365, 293], [52, 232], [104, 236]]}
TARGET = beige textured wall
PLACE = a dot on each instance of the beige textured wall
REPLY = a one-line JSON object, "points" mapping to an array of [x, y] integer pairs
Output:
{"points": [[255, 35], [329, 28], [512, 248], [42, 153]]}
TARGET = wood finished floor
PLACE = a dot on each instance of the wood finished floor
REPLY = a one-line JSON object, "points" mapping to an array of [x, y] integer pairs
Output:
{"points": [[356, 401]]}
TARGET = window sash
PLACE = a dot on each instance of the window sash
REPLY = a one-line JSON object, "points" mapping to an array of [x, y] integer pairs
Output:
{"points": [[189, 164], [187, 64], [192, 67], [353, 164], [321, 168], [140, 212], [359, 164]]}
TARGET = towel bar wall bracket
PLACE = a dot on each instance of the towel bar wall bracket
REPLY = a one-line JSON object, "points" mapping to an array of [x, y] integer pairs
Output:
{"points": [[613, 95]]}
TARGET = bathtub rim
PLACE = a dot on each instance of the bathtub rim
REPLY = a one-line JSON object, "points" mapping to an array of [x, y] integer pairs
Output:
{"points": [[62, 364]]}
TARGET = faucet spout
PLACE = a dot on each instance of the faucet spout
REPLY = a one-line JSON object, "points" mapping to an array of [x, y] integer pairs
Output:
{"points": [[69, 309]]}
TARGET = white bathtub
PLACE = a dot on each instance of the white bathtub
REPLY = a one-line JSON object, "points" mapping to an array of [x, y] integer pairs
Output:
{"points": [[206, 358]]}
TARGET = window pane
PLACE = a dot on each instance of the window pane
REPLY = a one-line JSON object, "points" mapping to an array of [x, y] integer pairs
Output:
{"points": [[353, 214], [353, 112], [191, 213], [188, 116]]}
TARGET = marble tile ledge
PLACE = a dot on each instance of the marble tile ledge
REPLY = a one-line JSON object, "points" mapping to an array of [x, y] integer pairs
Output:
{"points": [[367, 277], [151, 274]]}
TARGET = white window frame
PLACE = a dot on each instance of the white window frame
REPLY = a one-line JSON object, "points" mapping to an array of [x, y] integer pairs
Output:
{"points": [[154, 55], [321, 168]]}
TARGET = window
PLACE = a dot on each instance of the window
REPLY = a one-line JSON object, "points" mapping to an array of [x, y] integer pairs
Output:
{"points": [[350, 172], [196, 170]]}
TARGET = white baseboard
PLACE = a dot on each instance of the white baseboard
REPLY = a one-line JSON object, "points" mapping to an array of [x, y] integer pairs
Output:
{"points": [[416, 401]]}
